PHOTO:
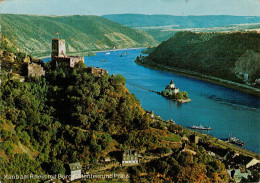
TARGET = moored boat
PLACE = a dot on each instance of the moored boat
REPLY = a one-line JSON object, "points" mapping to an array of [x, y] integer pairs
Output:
{"points": [[236, 141], [200, 127]]}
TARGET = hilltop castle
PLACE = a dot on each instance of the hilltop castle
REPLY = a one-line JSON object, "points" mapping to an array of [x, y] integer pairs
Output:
{"points": [[59, 59], [58, 55]]}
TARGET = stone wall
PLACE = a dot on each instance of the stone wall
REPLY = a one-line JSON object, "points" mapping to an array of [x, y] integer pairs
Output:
{"points": [[35, 70], [97, 71], [66, 62], [75, 59]]}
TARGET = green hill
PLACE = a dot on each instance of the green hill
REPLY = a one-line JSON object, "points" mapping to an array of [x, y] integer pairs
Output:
{"points": [[164, 33], [222, 55], [33, 34]]}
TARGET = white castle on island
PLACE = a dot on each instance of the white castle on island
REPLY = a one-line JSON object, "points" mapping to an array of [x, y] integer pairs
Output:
{"points": [[171, 89]]}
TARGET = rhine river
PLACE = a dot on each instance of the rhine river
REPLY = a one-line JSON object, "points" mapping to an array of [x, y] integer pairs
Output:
{"points": [[228, 112]]}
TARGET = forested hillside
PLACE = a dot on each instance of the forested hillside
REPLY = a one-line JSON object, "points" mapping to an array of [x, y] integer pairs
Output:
{"points": [[223, 55], [33, 34], [71, 115]]}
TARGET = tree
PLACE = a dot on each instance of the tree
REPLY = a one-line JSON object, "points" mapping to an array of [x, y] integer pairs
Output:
{"points": [[80, 65], [95, 90], [119, 79], [12, 114], [185, 95], [80, 137], [179, 95], [196, 173], [58, 168], [25, 138], [21, 164], [163, 167], [185, 159]]}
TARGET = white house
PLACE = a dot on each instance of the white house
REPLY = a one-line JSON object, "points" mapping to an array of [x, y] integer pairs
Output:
{"points": [[75, 171], [130, 157]]}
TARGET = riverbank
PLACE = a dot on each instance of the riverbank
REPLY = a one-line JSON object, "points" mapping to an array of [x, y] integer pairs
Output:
{"points": [[206, 138], [229, 84], [223, 144], [183, 100], [120, 49], [86, 53], [215, 144], [172, 98], [83, 54]]}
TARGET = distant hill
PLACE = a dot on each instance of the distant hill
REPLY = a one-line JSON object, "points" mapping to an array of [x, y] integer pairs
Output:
{"points": [[162, 27], [139, 20], [33, 34], [164, 33], [222, 55]]}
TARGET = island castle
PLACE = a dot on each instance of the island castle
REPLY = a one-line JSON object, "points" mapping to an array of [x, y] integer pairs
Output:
{"points": [[172, 92], [171, 89], [58, 55]]}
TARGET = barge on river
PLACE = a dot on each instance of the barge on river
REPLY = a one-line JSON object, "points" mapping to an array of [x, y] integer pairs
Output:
{"points": [[200, 127], [236, 141]]}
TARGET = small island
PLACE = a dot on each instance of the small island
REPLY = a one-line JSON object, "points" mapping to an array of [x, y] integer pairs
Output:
{"points": [[174, 93]]}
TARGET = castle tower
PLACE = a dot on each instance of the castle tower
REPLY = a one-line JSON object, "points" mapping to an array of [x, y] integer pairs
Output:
{"points": [[172, 85], [194, 139], [58, 48]]}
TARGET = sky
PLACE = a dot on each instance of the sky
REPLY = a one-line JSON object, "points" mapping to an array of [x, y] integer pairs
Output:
{"points": [[102, 7]]}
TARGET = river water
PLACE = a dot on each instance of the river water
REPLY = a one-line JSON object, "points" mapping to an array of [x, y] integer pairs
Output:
{"points": [[228, 112]]}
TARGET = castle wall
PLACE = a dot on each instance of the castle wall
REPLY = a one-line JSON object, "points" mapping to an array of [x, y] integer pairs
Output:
{"points": [[172, 91], [62, 61], [35, 70], [67, 61], [97, 71], [74, 60]]}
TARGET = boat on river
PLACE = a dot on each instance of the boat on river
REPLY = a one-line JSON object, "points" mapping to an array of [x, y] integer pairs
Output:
{"points": [[236, 141], [200, 127]]}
